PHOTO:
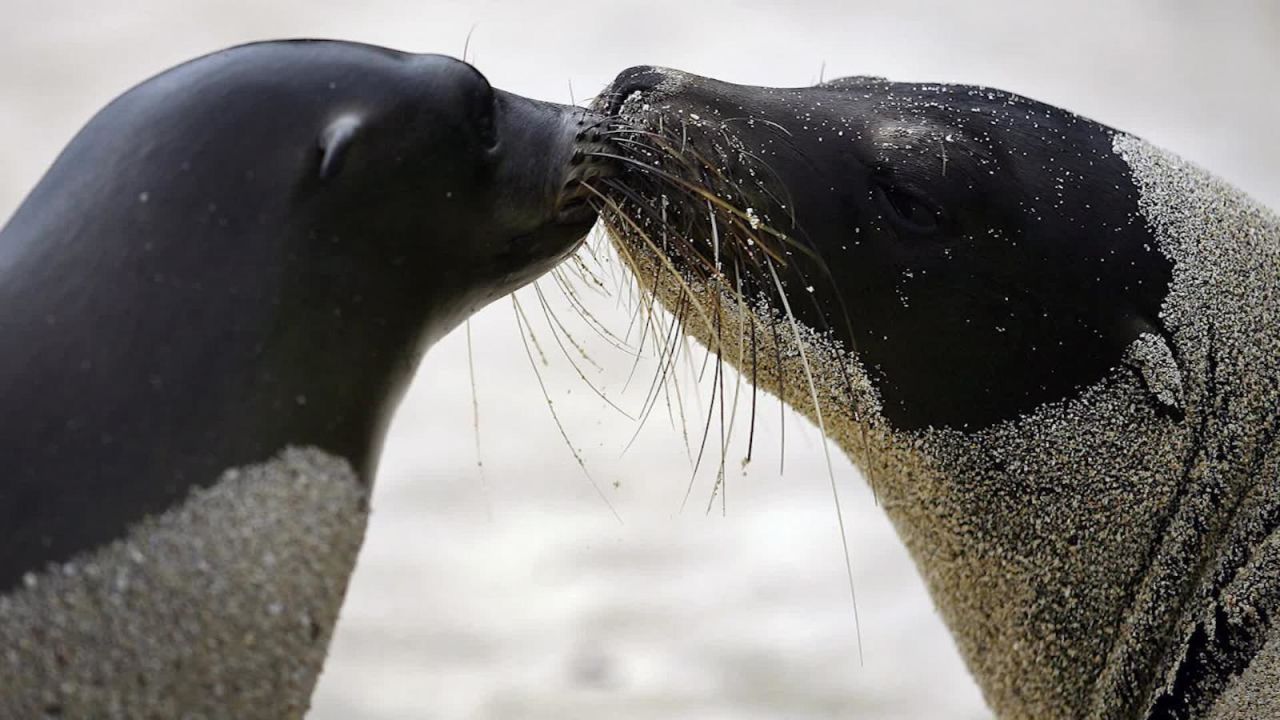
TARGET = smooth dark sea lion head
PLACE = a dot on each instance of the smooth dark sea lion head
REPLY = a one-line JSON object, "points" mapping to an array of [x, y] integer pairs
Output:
{"points": [[251, 251], [982, 253], [470, 189]]}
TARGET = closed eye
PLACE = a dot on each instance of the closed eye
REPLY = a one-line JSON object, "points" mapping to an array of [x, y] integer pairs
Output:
{"points": [[912, 211]]}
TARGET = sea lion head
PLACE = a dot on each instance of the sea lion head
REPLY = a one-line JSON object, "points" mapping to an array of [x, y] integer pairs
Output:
{"points": [[981, 253], [252, 251], [473, 191]]}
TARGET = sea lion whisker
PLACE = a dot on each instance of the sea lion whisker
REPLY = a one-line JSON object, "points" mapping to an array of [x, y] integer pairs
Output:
{"points": [[593, 253], [646, 310], [660, 375], [665, 363], [570, 295], [717, 387], [781, 381], [717, 390], [691, 249], [552, 323], [553, 317], [678, 341], [660, 218], [595, 125], [751, 434], [741, 215], [666, 374], [523, 324], [758, 119], [656, 154], [533, 337], [671, 415], [706, 164], [726, 425], [741, 312], [466, 44], [662, 258], [702, 446], [702, 162], [578, 266], [715, 242], [826, 450], [661, 150], [475, 424], [712, 348], [788, 204]]}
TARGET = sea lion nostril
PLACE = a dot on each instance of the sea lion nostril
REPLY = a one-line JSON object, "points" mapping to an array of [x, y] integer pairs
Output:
{"points": [[641, 78]]}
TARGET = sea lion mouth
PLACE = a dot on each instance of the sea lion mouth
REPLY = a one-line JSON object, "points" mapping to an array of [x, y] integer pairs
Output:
{"points": [[576, 205], [591, 162]]}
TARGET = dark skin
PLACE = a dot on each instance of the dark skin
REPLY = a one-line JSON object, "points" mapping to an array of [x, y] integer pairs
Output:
{"points": [[251, 251]]}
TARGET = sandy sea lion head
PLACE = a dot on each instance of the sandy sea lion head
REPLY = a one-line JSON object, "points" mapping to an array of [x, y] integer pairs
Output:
{"points": [[1050, 346], [952, 237]]}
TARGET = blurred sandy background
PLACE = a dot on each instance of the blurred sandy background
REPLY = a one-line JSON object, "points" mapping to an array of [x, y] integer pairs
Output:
{"points": [[513, 593]]}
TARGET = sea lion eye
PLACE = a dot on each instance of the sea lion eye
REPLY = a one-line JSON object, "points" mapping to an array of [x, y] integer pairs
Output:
{"points": [[911, 210]]}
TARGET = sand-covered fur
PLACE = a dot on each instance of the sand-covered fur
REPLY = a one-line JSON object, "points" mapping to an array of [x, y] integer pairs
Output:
{"points": [[220, 607]]}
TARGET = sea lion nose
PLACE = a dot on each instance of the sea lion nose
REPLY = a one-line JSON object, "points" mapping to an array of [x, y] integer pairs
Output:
{"points": [[592, 160], [641, 78]]}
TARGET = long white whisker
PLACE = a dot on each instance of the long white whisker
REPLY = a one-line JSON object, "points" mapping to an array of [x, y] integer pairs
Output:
{"points": [[826, 451]]}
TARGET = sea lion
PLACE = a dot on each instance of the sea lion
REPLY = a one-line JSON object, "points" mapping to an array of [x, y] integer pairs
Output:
{"points": [[1052, 348], [246, 253]]}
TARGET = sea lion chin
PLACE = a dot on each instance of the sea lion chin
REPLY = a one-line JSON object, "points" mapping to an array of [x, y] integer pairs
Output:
{"points": [[1052, 348]]}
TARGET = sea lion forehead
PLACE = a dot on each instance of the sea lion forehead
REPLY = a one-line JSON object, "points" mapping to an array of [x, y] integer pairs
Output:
{"points": [[869, 110], [315, 74]]}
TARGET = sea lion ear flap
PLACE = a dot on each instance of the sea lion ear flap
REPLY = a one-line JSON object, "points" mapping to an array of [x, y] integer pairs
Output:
{"points": [[334, 142], [1152, 358]]}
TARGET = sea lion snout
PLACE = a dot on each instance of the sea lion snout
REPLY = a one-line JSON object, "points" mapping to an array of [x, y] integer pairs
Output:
{"points": [[547, 153], [644, 79], [593, 159]]}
